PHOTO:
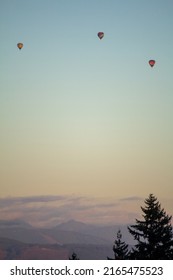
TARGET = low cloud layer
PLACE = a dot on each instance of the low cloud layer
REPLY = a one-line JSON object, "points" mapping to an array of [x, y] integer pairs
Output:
{"points": [[49, 211]]}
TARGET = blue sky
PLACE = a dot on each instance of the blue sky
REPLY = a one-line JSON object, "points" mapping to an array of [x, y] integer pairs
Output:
{"points": [[80, 115]]}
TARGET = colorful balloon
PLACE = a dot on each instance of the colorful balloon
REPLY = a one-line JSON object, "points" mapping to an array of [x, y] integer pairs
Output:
{"points": [[20, 46], [100, 35], [152, 62]]}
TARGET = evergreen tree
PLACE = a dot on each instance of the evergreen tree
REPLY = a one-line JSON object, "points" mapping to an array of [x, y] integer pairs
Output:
{"points": [[154, 235], [74, 256], [120, 248]]}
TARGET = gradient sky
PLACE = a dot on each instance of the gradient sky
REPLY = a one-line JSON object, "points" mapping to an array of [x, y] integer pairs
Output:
{"points": [[84, 117]]}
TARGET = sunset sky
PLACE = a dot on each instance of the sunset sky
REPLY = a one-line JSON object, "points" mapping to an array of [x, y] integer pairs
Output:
{"points": [[86, 124]]}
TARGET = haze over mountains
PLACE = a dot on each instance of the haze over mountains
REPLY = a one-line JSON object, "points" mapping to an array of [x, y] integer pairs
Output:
{"points": [[88, 241], [64, 233]]}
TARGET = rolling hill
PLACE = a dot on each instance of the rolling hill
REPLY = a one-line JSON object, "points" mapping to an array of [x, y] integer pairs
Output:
{"points": [[19, 240]]}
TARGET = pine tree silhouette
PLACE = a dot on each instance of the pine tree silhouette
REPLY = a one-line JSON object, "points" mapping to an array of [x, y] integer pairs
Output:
{"points": [[120, 248], [154, 235], [74, 256]]}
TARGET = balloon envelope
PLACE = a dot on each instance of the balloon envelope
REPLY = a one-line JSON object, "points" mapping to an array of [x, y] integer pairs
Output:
{"points": [[152, 62], [100, 35], [20, 46]]}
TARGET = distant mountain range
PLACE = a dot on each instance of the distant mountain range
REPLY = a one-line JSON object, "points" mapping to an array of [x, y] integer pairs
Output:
{"points": [[19, 240], [65, 233], [107, 233], [14, 223]]}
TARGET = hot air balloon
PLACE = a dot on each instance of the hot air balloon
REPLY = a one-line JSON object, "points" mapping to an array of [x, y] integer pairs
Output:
{"points": [[152, 62], [20, 46], [100, 35]]}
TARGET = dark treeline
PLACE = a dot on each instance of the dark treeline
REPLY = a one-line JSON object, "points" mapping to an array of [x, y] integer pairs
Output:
{"points": [[153, 236]]}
